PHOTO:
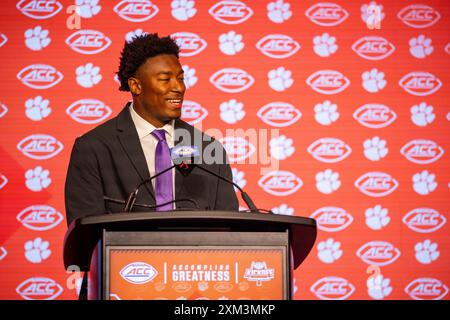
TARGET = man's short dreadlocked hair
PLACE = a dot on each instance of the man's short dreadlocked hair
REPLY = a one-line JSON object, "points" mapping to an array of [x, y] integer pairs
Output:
{"points": [[138, 50]]}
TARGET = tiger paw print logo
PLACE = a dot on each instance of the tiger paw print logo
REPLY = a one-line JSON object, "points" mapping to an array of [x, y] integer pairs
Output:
{"points": [[258, 272]]}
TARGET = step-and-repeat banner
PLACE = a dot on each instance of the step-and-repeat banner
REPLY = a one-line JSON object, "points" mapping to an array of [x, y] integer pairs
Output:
{"points": [[333, 110]]}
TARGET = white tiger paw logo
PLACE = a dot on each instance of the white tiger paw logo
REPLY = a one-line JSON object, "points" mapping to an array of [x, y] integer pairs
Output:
{"points": [[422, 114], [373, 80], [278, 11], [183, 10], [37, 250], [280, 79], [37, 108], [37, 39], [232, 111], [230, 43], [420, 47], [325, 45]]}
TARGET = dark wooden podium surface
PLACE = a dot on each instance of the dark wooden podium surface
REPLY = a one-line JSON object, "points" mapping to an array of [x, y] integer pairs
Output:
{"points": [[84, 233]]}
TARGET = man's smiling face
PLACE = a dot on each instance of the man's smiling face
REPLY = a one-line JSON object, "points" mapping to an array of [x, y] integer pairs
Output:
{"points": [[158, 88]]}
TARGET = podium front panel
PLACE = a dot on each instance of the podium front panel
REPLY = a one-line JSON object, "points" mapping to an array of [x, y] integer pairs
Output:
{"points": [[196, 265]]}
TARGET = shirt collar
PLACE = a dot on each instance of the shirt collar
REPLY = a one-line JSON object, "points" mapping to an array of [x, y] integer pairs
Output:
{"points": [[144, 128]]}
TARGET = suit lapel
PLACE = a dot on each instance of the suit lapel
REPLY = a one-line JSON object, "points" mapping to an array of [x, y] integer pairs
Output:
{"points": [[129, 140]]}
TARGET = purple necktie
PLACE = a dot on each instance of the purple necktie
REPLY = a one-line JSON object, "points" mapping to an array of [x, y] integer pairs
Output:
{"points": [[163, 185]]}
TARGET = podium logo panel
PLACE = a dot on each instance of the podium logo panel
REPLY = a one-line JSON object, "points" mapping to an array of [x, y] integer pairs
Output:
{"points": [[196, 273]]}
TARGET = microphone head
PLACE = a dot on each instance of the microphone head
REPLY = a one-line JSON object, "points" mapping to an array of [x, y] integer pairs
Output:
{"points": [[184, 158], [184, 154]]}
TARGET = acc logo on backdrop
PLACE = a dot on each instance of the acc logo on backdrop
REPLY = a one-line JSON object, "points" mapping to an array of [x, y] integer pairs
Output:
{"points": [[332, 219], [42, 9], [136, 10], [237, 148], [329, 150], [420, 83], [418, 16], [3, 110], [380, 253], [424, 220], [3, 39], [327, 14], [3, 181], [373, 48], [328, 81], [231, 12], [138, 272], [40, 146], [426, 289], [376, 184], [192, 112], [422, 151], [190, 43], [332, 288], [39, 288], [373, 115], [231, 80], [280, 183], [39, 76], [88, 111], [278, 46], [279, 114], [39, 217], [88, 41]]}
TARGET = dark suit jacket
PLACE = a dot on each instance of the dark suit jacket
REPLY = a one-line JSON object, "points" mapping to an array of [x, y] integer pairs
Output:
{"points": [[109, 161]]}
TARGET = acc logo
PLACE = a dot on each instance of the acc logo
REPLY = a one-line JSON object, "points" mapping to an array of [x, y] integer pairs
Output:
{"points": [[279, 114], [259, 272], [426, 289], [39, 288], [88, 111], [280, 183], [373, 48], [88, 41], [39, 9], [136, 10], [190, 43], [230, 12], [138, 273], [376, 184], [237, 148], [380, 253], [420, 83], [39, 76], [39, 217], [3, 110], [328, 81], [40, 146], [278, 46], [3, 39], [231, 80], [327, 14], [332, 288], [192, 112], [3, 181], [424, 220], [418, 16], [374, 115], [329, 150], [3, 253], [332, 219], [422, 151]]}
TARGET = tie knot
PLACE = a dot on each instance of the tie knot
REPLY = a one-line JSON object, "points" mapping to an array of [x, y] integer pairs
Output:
{"points": [[159, 134]]}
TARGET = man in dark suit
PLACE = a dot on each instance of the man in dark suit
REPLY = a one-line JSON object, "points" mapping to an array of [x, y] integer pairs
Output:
{"points": [[109, 161]]}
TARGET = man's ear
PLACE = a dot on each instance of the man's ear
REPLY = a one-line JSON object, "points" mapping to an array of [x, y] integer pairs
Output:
{"points": [[135, 86]]}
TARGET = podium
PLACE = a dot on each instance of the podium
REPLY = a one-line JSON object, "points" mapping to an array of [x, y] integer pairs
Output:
{"points": [[189, 254]]}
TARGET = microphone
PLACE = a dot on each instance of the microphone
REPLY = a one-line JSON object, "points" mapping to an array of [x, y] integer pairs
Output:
{"points": [[148, 206], [133, 195], [184, 159]]}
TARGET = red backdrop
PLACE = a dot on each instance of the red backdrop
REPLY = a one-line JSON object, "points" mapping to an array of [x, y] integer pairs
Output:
{"points": [[358, 92]]}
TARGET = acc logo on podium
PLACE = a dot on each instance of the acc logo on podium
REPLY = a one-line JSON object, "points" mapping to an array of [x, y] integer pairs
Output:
{"points": [[138, 273]]}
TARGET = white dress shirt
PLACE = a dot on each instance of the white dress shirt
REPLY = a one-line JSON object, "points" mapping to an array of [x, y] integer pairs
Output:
{"points": [[149, 142]]}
